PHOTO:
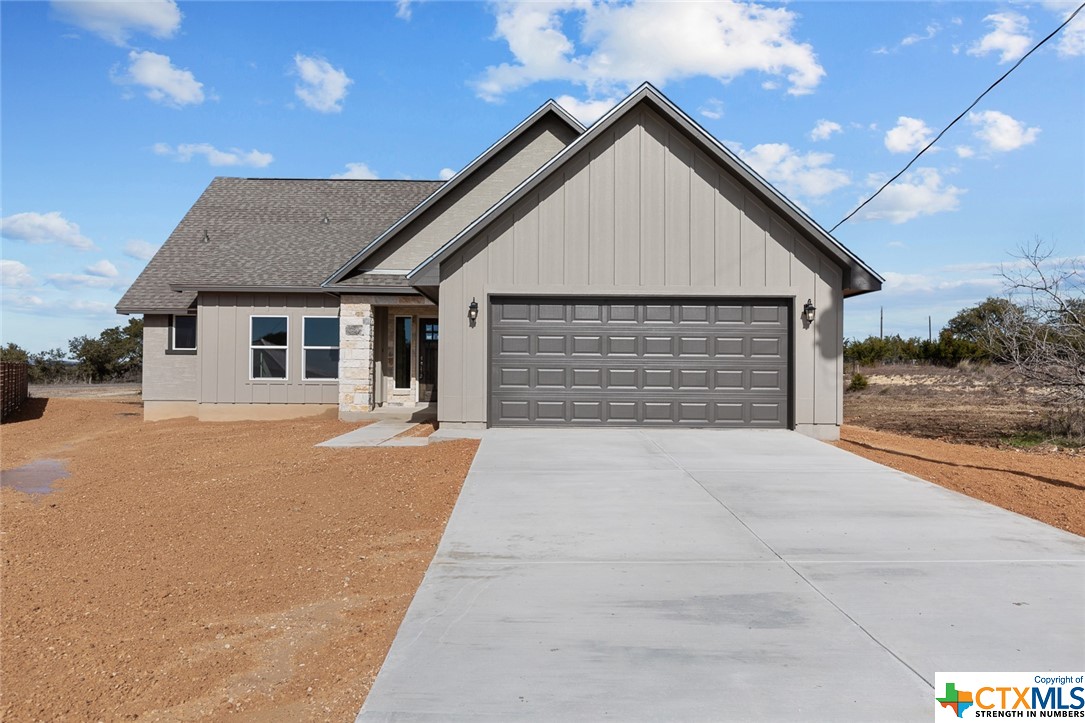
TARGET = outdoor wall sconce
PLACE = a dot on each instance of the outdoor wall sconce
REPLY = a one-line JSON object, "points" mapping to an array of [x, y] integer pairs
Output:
{"points": [[472, 311], [808, 311]]}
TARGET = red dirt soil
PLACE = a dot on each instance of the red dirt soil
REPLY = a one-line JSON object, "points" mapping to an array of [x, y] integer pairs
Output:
{"points": [[195, 570], [1049, 487]]}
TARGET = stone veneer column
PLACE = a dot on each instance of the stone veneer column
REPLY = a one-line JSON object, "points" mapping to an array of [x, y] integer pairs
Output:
{"points": [[356, 334]]}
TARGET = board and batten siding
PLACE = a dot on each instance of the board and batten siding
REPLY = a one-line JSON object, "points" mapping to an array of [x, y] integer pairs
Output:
{"points": [[474, 195], [167, 377], [223, 339], [641, 211]]}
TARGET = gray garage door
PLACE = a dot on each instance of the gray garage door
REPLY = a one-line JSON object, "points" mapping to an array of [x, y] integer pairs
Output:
{"points": [[630, 362]]}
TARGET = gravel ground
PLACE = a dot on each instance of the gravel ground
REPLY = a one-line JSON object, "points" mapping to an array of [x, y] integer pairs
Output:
{"points": [[208, 570]]}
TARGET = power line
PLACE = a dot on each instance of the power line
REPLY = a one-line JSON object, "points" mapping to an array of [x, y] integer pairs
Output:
{"points": [[962, 115]]}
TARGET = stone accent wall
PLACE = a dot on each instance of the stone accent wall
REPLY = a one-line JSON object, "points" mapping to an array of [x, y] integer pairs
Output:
{"points": [[355, 356]]}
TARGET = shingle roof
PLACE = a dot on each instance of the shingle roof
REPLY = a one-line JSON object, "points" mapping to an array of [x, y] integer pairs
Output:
{"points": [[271, 233], [372, 279]]}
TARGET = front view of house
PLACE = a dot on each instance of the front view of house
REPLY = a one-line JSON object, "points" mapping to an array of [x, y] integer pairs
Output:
{"points": [[631, 273]]}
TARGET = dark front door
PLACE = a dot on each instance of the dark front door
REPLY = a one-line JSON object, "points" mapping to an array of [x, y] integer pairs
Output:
{"points": [[427, 360]]}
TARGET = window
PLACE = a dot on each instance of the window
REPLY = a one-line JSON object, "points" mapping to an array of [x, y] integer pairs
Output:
{"points": [[183, 333], [320, 347], [403, 352], [268, 347]]}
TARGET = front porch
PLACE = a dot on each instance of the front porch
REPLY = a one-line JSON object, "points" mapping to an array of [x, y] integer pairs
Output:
{"points": [[388, 355]]}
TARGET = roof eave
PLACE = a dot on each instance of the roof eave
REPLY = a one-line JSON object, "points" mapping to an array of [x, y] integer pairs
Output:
{"points": [[550, 106]]}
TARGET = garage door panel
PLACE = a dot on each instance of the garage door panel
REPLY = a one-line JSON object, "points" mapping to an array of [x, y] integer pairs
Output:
{"points": [[551, 377], [639, 362], [549, 344], [592, 345], [771, 315], [588, 378]]}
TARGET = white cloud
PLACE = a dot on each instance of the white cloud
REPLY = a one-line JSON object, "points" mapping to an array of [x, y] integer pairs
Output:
{"points": [[796, 174], [102, 268], [65, 308], [1009, 36], [1002, 132], [587, 111], [84, 281], [713, 108], [117, 21], [1072, 39], [163, 82], [965, 151], [897, 245], [824, 129], [621, 45], [15, 275], [403, 9], [139, 249], [918, 193], [445, 174], [44, 228], [914, 38], [910, 134], [935, 281], [233, 157], [357, 171], [322, 87]]}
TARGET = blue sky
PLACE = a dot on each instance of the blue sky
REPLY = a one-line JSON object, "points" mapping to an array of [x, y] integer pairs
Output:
{"points": [[115, 116]]}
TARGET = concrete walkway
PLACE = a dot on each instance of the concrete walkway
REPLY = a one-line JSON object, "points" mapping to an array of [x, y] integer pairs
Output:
{"points": [[389, 422], [719, 575]]}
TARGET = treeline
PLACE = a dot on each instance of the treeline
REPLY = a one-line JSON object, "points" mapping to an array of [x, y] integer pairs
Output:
{"points": [[115, 355], [967, 337]]}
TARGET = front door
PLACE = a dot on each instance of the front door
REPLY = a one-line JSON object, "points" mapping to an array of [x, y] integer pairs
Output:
{"points": [[427, 360]]}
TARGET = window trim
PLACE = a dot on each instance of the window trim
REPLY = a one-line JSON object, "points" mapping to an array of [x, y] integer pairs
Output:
{"points": [[252, 348], [304, 348], [395, 353], [171, 345]]}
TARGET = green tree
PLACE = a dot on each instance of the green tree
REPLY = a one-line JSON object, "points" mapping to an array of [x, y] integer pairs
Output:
{"points": [[116, 354], [48, 366], [13, 353], [974, 323]]}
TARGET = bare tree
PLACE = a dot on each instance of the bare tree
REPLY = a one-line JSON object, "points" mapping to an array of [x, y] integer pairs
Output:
{"points": [[1041, 333]]}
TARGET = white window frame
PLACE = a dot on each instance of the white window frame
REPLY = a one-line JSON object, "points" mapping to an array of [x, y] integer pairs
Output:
{"points": [[253, 348], [395, 352], [173, 333], [304, 348]]}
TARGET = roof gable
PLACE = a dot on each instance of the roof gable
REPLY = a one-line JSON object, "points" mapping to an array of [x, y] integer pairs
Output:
{"points": [[858, 277], [461, 182]]}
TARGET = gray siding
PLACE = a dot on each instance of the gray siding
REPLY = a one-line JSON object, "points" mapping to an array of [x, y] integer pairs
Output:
{"points": [[224, 349], [640, 211], [166, 377], [415, 243]]}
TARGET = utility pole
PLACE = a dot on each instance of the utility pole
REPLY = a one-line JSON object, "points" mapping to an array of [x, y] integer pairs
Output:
{"points": [[881, 322], [930, 335]]}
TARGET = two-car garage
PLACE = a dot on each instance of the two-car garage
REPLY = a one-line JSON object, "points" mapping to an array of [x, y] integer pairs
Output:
{"points": [[639, 361], [643, 277]]}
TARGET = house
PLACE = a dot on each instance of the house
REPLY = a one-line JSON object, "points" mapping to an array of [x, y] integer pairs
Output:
{"points": [[632, 273]]}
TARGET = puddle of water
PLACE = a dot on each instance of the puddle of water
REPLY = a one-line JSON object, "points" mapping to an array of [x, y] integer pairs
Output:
{"points": [[36, 478]]}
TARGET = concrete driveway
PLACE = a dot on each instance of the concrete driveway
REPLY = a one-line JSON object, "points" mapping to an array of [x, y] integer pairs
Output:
{"points": [[711, 575]]}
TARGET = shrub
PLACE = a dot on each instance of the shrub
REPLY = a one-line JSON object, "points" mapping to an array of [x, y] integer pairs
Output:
{"points": [[858, 382]]}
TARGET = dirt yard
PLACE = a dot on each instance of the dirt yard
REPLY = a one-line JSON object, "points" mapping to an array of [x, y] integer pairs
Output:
{"points": [[232, 570], [189, 570], [1049, 487], [978, 405], [958, 428]]}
